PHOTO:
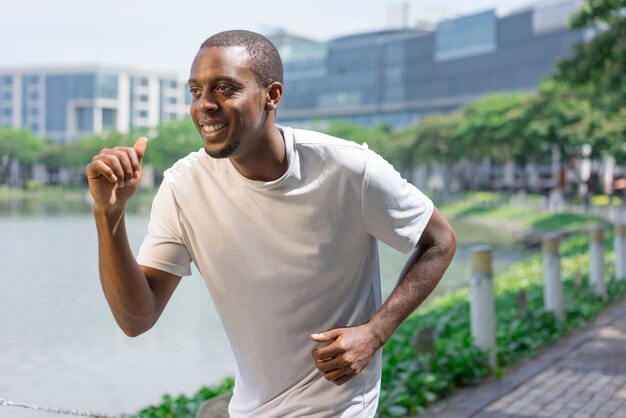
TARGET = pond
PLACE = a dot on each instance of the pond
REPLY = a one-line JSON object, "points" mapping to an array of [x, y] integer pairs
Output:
{"points": [[59, 344]]}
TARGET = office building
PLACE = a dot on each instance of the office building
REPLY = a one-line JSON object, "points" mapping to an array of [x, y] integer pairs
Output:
{"points": [[429, 62], [397, 76], [64, 104]]}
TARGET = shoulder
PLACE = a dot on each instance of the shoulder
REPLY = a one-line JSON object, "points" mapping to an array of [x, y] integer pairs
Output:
{"points": [[313, 139], [187, 167], [331, 149]]}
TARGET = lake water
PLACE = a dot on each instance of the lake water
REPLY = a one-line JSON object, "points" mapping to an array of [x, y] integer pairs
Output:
{"points": [[59, 344]]}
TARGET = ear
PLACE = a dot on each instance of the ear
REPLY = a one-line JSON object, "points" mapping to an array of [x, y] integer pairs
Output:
{"points": [[274, 94]]}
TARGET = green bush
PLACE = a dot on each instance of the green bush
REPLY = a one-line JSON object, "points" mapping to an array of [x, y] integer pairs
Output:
{"points": [[182, 406], [409, 384]]}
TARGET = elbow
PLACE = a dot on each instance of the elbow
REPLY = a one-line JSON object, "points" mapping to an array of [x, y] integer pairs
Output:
{"points": [[445, 244], [451, 242], [135, 328], [133, 332]]}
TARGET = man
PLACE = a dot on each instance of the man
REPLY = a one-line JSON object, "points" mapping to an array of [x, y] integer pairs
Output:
{"points": [[282, 224]]}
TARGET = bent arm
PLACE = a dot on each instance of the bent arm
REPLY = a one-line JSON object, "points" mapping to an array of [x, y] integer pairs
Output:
{"points": [[420, 275], [351, 349], [136, 294]]}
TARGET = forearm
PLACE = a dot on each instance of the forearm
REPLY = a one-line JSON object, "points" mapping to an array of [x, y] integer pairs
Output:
{"points": [[421, 274], [125, 286]]}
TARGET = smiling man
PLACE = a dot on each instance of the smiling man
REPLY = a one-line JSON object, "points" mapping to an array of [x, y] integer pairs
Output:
{"points": [[283, 226]]}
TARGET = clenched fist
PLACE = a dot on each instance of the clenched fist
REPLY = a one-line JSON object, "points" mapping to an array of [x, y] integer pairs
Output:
{"points": [[349, 352], [114, 174]]}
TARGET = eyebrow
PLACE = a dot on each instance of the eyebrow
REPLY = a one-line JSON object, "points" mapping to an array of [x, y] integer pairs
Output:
{"points": [[221, 78]]}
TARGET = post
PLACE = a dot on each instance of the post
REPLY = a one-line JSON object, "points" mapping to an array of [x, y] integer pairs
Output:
{"points": [[596, 256], [552, 286], [619, 246], [482, 305]]}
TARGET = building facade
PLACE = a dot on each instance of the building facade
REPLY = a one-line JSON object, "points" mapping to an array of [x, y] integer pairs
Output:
{"points": [[395, 76], [64, 104], [398, 76]]}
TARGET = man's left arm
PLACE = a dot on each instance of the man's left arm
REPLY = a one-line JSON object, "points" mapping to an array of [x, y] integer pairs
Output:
{"points": [[352, 348]]}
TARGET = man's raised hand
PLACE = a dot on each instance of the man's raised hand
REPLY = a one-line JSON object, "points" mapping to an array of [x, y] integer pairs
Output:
{"points": [[114, 174]]}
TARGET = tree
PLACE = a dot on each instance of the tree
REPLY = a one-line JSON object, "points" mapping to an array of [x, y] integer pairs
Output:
{"points": [[77, 154], [598, 67], [495, 127], [172, 141], [436, 138], [17, 145]]}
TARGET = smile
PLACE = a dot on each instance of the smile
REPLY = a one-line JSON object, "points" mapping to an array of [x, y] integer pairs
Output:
{"points": [[213, 127]]}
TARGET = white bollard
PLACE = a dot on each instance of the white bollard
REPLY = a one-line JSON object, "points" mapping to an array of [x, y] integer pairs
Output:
{"points": [[482, 305], [619, 247], [552, 285], [596, 256]]}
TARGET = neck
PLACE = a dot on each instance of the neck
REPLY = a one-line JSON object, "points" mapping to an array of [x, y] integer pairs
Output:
{"points": [[269, 161]]}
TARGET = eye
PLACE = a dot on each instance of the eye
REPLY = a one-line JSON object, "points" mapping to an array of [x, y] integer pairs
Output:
{"points": [[195, 92], [224, 88]]}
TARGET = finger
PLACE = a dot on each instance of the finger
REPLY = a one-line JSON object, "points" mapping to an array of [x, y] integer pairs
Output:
{"points": [[113, 163], [343, 379], [328, 352], [140, 146], [332, 364], [124, 159], [327, 335], [335, 374], [134, 161], [98, 168]]}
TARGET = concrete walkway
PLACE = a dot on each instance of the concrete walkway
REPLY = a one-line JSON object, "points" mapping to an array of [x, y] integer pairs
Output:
{"points": [[582, 376]]}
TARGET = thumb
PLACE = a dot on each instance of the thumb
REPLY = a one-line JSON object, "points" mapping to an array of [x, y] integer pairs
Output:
{"points": [[327, 335], [140, 146]]}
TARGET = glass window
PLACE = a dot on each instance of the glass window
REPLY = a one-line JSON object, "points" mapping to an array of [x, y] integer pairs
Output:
{"points": [[466, 36], [34, 111], [109, 118], [34, 127], [173, 84], [34, 95], [143, 98], [143, 113], [60, 89], [106, 86], [85, 119], [143, 81], [7, 95], [173, 100], [7, 79], [7, 111]]}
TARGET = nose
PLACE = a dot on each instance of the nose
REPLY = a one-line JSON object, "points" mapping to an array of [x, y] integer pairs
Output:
{"points": [[207, 104]]}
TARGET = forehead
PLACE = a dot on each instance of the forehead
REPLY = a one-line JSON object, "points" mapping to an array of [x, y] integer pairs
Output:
{"points": [[212, 62]]}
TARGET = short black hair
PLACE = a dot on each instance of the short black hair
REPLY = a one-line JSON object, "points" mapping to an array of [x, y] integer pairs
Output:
{"points": [[264, 60]]}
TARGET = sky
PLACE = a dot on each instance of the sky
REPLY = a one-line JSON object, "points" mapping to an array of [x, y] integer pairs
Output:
{"points": [[165, 34]]}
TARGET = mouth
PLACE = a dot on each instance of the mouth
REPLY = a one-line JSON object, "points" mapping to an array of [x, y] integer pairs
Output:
{"points": [[213, 127]]}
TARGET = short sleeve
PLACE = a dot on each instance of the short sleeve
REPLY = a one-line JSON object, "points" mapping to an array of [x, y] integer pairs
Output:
{"points": [[163, 247], [394, 211]]}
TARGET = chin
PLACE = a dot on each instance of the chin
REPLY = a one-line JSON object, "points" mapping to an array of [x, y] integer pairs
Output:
{"points": [[224, 152]]}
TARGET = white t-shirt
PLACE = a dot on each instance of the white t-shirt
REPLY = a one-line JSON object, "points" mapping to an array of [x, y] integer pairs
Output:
{"points": [[285, 259]]}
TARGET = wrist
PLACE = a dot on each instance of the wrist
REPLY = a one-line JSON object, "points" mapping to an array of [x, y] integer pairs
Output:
{"points": [[108, 211], [378, 331]]}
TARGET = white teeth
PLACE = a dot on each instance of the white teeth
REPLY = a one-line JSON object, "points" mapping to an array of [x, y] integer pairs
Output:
{"points": [[213, 128]]}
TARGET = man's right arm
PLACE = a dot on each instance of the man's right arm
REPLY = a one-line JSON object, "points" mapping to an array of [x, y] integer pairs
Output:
{"points": [[136, 294]]}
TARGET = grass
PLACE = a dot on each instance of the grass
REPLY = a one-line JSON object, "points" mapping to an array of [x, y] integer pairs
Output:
{"points": [[518, 217]]}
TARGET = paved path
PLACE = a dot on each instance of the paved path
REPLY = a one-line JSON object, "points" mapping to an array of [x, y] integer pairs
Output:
{"points": [[583, 376]]}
